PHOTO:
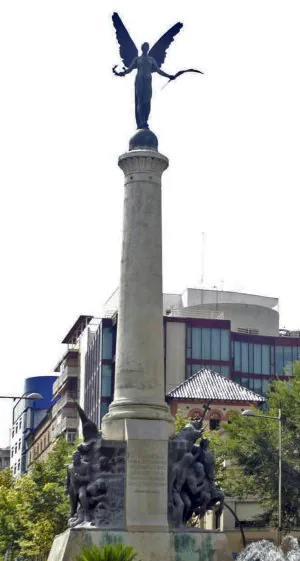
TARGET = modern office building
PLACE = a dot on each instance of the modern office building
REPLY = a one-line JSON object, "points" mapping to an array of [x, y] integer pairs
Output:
{"points": [[27, 414], [232, 333], [4, 457]]}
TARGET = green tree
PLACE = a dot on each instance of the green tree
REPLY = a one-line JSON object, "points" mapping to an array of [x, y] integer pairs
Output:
{"points": [[252, 446], [9, 530], [34, 508]]}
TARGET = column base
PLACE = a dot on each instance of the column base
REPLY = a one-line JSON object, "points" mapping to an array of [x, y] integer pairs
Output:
{"points": [[113, 423]]}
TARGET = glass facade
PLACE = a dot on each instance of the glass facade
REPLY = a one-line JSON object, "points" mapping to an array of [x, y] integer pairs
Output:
{"points": [[263, 359], [99, 371], [207, 347], [208, 343], [220, 368], [258, 385]]}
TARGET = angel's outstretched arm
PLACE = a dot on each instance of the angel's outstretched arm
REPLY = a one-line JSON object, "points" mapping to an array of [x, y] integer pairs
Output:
{"points": [[161, 72], [129, 69]]}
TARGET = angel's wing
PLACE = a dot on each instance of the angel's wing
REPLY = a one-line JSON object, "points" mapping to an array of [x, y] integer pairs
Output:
{"points": [[128, 50], [159, 50]]}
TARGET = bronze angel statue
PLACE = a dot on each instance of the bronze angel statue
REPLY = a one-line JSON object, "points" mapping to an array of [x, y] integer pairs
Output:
{"points": [[149, 61]]}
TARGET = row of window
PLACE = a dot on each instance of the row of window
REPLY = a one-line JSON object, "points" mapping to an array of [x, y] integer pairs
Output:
{"points": [[16, 427], [220, 368], [16, 447], [39, 447], [252, 358], [207, 344], [17, 466], [258, 385], [99, 376]]}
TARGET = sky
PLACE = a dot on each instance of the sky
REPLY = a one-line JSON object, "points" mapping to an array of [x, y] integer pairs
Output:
{"points": [[232, 138]]}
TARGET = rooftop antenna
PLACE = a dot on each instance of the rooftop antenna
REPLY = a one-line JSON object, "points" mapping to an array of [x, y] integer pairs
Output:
{"points": [[202, 264], [202, 258]]}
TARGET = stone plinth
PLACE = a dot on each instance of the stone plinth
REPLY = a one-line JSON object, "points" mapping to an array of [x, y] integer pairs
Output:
{"points": [[162, 546], [139, 377]]}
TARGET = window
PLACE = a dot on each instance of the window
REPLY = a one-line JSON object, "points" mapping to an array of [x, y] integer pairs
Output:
{"points": [[15, 469], [19, 464], [196, 342], [216, 344], [258, 385], [45, 441], [12, 451], [103, 409], [279, 360], [71, 435], [224, 344], [245, 358], [13, 432], [214, 421], [219, 368], [252, 358], [106, 380], [207, 343], [257, 359], [265, 353], [237, 355], [20, 423], [16, 447], [189, 342], [107, 343]]}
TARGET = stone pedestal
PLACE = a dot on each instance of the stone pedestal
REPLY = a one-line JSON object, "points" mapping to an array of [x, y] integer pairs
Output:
{"points": [[161, 546]]}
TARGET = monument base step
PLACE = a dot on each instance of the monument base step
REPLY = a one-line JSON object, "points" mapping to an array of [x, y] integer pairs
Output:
{"points": [[187, 545]]}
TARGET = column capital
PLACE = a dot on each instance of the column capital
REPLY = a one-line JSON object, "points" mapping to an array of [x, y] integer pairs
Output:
{"points": [[143, 161]]}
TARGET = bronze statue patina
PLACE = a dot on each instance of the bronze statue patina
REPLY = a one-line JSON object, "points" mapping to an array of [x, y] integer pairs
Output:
{"points": [[77, 480], [148, 62]]}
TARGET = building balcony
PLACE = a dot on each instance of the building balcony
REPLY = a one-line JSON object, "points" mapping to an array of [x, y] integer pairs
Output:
{"points": [[65, 424], [67, 399], [68, 372]]}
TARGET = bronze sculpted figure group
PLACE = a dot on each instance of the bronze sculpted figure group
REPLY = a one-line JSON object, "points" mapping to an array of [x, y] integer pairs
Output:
{"points": [[95, 479], [192, 489], [148, 62]]}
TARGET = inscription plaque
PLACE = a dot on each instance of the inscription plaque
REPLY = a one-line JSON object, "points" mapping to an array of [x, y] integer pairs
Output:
{"points": [[147, 483], [147, 473]]}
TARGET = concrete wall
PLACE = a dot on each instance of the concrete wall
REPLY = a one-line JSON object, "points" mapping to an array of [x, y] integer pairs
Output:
{"points": [[243, 316], [175, 354], [196, 296]]}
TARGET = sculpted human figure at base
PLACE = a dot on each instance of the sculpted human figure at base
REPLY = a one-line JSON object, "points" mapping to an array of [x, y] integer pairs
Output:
{"points": [[76, 487]]}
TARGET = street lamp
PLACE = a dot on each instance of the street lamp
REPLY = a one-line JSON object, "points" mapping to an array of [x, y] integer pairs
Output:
{"points": [[25, 395], [249, 413]]}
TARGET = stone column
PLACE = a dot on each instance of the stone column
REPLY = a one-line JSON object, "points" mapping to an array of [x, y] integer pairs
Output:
{"points": [[138, 413], [139, 377]]}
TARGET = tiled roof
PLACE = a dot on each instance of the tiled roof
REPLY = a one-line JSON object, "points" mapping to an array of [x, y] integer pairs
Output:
{"points": [[208, 385]]}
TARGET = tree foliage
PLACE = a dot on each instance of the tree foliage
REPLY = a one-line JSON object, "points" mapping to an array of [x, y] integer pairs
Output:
{"points": [[34, 508], [252, 445]]}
